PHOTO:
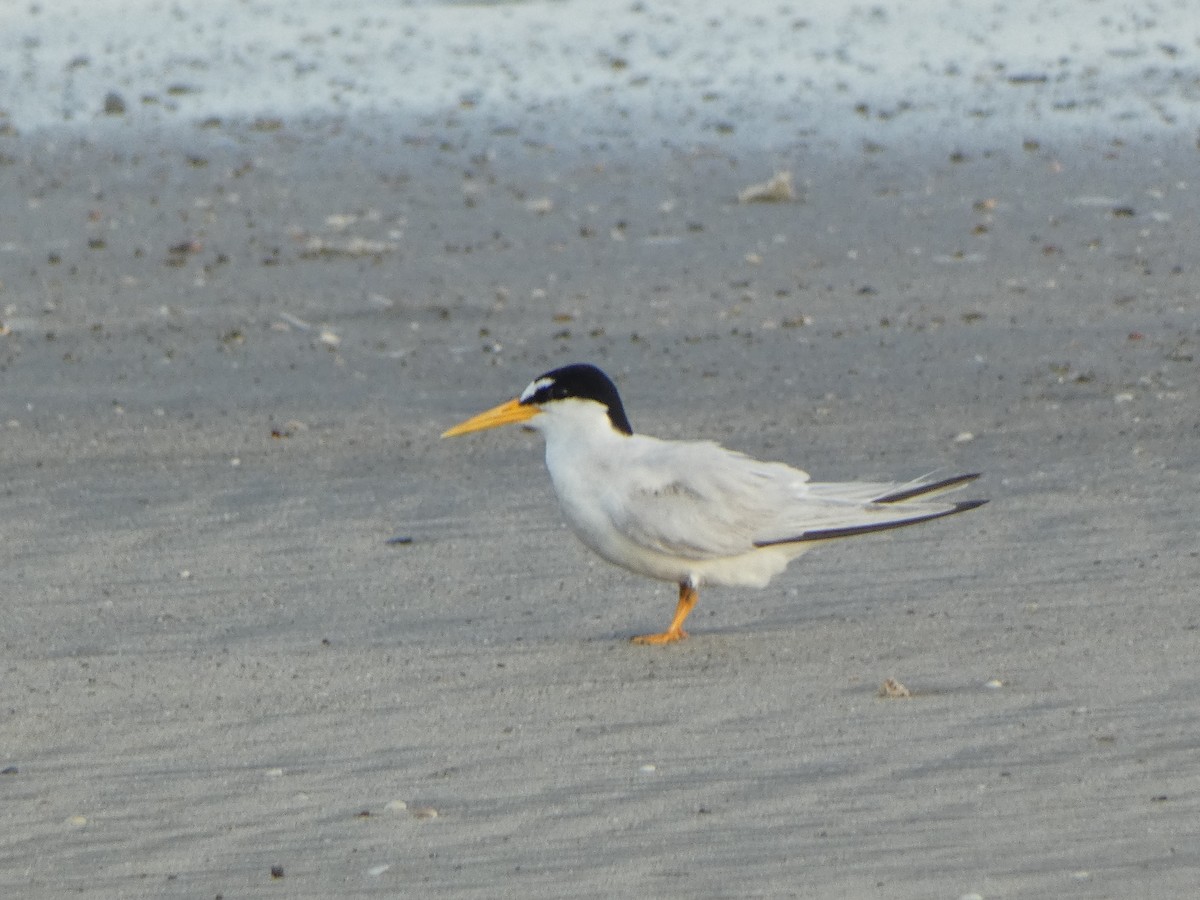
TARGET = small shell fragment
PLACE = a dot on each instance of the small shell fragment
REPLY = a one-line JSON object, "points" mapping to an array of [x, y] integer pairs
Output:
{"points": [[777, 190], [894, 690]]}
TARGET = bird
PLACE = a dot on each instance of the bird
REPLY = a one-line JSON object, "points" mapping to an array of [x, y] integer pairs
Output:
{"points": [[692, 512]]}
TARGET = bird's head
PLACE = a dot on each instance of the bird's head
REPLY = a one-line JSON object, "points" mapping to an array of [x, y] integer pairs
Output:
{"points": [[574, 391]]}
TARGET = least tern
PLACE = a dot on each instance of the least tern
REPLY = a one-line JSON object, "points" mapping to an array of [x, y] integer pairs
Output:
{"points": [[692, 512]]}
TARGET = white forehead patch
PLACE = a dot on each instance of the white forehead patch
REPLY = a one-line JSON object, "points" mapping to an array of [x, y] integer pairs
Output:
{"points": [[534, 387]]}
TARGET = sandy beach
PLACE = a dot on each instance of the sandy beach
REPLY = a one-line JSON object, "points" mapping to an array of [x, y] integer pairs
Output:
{"points": [[266, 636]]}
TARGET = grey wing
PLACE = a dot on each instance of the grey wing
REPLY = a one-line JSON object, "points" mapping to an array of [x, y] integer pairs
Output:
{"points": [[697, 500]]}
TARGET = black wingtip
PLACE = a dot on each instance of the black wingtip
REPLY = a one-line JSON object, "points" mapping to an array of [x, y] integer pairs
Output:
{"points": [[828, 534], [931, 487]]}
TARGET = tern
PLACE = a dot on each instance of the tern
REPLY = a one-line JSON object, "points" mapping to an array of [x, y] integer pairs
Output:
{"points": [[692, 512]]}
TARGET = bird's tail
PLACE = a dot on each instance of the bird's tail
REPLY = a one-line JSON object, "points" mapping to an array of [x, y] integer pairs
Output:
{"points": [[894, 506]]}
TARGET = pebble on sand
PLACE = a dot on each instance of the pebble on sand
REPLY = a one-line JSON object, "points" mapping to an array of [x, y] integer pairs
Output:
{"points": [[894, 690]]}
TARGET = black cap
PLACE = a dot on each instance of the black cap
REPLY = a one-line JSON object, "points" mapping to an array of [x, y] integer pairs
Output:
{"points": [[580, 381]]}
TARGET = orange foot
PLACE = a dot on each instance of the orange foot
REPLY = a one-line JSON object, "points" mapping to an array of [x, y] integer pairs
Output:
{"points": [[687, 599], [667, 637]]}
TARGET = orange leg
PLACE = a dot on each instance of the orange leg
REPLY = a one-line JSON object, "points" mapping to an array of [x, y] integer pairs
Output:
{"points": [[688, 596]]}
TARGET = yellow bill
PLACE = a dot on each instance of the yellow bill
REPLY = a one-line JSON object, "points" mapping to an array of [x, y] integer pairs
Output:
{"points": [[504, 414]]}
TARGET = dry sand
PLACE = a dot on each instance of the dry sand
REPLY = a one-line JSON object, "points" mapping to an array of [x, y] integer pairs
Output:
{"points": [[258, 618]]}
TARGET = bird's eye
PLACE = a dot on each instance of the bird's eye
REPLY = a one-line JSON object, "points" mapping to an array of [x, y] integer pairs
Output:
{"points": [[558, 392]]}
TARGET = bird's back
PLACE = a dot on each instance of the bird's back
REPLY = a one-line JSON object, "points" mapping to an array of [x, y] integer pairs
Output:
{"points": [[697, 500]]}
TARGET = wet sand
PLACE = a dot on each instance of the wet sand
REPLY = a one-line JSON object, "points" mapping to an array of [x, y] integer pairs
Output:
{"points": [[266, 635]]}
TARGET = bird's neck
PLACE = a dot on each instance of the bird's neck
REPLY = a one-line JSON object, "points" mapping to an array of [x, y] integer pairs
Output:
{"points": [[578, 442]]}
